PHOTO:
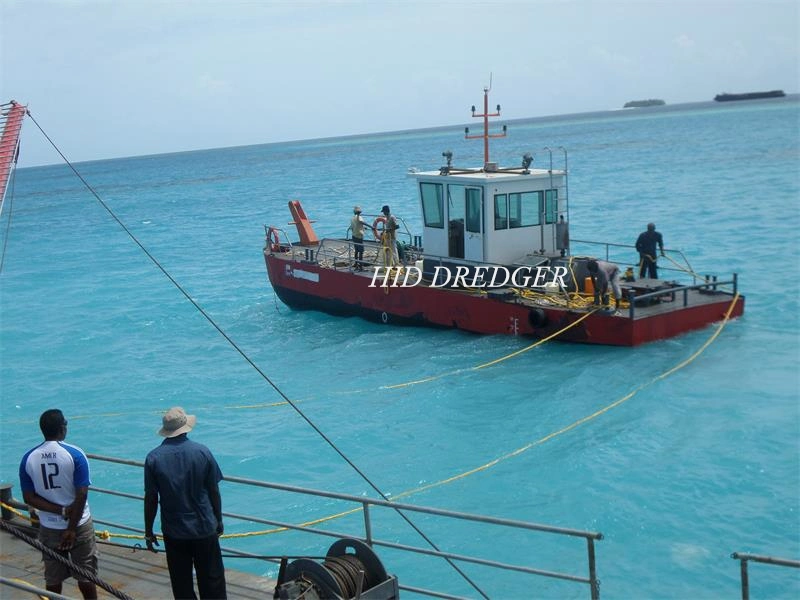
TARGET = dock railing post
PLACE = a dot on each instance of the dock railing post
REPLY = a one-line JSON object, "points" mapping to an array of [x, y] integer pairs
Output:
{"points": [[367, 524], [745, 579], [5, 497], [593, 583]]}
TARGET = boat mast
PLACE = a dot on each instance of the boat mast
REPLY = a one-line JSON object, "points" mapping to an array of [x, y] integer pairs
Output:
{"points": [[485, 135]]}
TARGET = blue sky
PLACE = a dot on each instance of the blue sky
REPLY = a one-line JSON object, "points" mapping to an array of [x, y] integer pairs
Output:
{"points": [[121, 78]]}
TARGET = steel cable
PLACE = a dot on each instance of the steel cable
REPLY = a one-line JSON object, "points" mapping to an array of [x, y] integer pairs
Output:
{"points": [[250, 361], [65, 561]]}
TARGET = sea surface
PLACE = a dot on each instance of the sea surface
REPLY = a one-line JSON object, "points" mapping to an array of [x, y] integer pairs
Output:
{"points": [[692, 467]]}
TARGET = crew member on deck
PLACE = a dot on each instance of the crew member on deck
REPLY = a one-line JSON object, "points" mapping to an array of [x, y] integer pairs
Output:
{"points": [[604, 274], [646, 247], [357, 225], [562, 235], [389, 241]]}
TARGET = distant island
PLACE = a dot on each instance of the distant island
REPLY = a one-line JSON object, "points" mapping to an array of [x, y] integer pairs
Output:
{"points": [[749, 96], [642, 103]]}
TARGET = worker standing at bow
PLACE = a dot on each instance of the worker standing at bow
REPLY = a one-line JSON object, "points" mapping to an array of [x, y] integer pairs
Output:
{"points": [[646, 247]]}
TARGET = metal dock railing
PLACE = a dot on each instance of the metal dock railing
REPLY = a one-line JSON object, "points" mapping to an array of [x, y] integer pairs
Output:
{"points": [[370, 536]]}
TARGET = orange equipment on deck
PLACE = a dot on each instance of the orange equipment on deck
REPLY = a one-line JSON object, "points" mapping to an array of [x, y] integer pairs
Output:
{"points": [[308, 236]]}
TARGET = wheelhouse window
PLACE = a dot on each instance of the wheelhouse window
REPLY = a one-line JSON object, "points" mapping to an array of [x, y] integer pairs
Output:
{"points": [[524, 209], [501, 211], [432, 204], [550, 206], [473, 210]]}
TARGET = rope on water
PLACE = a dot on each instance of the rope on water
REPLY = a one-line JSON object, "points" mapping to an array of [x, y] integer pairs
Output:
{"points": [[585, 419], [542, 440], [493, 362]]}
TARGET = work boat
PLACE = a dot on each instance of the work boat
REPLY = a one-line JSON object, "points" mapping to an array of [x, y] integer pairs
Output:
{"points": [[494, 257]]}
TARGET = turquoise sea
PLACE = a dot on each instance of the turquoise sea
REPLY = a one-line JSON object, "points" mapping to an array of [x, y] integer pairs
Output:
{"points": [[692, 467]]}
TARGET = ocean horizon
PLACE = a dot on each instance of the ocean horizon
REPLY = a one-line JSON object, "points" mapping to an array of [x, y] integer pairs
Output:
{"points": [[599, 113]]}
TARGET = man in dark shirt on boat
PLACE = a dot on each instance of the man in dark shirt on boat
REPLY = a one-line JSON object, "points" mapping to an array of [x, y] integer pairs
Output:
{"points": [[646, 247], [185, 477], [604, 274]]}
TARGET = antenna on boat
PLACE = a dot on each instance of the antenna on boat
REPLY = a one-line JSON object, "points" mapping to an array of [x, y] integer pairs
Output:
{"points": [[487, 166]]}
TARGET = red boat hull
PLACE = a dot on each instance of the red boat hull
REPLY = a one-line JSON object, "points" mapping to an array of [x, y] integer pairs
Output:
{"points": [[305, 285]]}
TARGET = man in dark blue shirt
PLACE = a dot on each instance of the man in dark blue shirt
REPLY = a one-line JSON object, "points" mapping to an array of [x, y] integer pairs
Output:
{"points": [[185, 477], [646, 247]]}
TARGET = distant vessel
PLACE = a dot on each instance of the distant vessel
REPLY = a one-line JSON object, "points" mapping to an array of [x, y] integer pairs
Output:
{"points": [[749, 96], [643, 103]]}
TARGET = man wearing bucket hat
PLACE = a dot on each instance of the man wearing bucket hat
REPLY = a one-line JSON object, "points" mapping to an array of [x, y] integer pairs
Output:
{"points": [[184, 477], [357, 225]]}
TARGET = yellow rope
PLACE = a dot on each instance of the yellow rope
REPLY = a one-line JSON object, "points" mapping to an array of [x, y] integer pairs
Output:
{"points": [[490, 363], [15, 511], [680, 267], [549, 436], [532, 346], [108, 535], [103, 535], [18, 580], [398, 385], [587, 418]]}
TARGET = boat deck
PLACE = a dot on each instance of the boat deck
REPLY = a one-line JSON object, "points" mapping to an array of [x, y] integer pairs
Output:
{"points": [[140, 574], [337, 254]]}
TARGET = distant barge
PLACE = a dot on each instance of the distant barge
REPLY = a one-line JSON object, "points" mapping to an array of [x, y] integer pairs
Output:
{"points": [[749, 96], [644, 103]]}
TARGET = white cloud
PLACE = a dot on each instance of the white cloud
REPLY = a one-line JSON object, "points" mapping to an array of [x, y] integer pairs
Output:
{"points": [[609, 58], [209, 83], [684, 41]]}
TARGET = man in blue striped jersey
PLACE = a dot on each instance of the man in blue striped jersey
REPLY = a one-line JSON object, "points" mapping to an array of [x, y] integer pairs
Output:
{"points": [[54, 477]]}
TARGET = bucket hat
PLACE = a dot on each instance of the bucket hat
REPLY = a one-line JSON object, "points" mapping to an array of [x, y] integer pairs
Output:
{"points": [[175, 422]]}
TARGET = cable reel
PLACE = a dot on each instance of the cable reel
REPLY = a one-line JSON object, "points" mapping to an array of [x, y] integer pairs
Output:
{"points": [[350, 570]]}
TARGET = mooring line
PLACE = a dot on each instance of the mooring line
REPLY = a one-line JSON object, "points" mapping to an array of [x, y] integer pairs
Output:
{"points": [[585, 419], [526, 447], [492, 362], [260, 405], [507, 456], [53, 554], [252, 363]]}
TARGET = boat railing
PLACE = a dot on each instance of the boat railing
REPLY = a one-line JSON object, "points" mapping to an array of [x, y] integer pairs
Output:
{"points": [[403, 234], [282, 238], [372, 510], [744, 558], [711, 285], [611, 252]]}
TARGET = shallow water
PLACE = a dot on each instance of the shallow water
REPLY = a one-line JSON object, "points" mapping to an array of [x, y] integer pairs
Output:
{"points": [[692, 467]]}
